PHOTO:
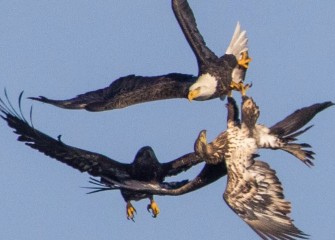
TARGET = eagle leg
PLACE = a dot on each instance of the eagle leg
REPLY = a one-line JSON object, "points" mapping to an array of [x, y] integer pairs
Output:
{"points": [[245, 60], [153, 208], [240, 87], [130, 211]]}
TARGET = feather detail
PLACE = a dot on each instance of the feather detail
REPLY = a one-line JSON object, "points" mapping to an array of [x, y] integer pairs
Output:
{"points": [[238, 43]]}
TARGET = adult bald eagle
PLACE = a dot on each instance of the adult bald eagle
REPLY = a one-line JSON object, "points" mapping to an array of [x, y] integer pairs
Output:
{"points": [[145, 166], [217, 76], [253, 191]]}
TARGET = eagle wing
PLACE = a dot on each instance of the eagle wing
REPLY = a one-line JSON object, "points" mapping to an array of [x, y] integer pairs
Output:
{"points": [[84, 161], [298, 119], [188, 25], [209, 174], [259, 200], [283, 134], [127, 91], [181, 164]]}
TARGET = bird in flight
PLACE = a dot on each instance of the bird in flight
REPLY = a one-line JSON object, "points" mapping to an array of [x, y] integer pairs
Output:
{"points": [[145, 166], [253, 191], [217, 76], [281, 136]]}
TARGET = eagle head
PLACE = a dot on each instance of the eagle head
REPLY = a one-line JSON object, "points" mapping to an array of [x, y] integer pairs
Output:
{"points": [[204, 88]]}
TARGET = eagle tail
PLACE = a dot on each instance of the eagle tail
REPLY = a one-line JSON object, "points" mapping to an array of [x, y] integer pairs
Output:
{"points": [[238, 43], [100, 186], [297, 150]]}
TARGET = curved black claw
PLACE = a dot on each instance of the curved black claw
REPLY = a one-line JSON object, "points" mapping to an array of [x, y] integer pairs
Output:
{"points": [[131, 211], [153, 208]]}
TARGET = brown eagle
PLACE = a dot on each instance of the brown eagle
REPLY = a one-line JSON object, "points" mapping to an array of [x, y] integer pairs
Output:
{"points": [[145, 166], [253, 190]]}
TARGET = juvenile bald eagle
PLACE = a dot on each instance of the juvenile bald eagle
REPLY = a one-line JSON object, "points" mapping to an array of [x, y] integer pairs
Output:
{"points": [[253, 191], [145, 167], [217, 76], [280, 136]]}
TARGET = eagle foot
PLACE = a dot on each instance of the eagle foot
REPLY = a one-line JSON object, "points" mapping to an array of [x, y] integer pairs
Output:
{"points": [[240, 87], [245, 60], [153, 208], [130, 211]]}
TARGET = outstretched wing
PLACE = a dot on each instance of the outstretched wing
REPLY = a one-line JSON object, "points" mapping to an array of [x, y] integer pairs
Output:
{"points": [[188, 25], [127, 91], [298, 119], [181, 164], [283, 134], [259, 200], [93, 163], [209, 174]]}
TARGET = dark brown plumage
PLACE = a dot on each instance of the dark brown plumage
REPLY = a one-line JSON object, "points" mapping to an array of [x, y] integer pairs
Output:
{"points": [[253, 191], [213, 80], [145, 166], [128, 90]]}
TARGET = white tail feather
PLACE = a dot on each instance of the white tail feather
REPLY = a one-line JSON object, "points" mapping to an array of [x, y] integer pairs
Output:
{"points": [[238, 43]]}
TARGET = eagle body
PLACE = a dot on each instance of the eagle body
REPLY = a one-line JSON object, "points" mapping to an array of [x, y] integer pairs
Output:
{"points": [[144, 168], [281, 135], [214, 78], [239, 147], [253, 190]]}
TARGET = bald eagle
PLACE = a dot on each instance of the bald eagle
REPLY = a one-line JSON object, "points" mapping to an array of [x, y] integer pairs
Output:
{"points": [[145, 166], [280, 136], [253, 191], [217, 76]]}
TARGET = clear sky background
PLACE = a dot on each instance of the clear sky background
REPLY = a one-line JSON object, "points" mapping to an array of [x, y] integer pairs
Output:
{"points": [[63, 48]]}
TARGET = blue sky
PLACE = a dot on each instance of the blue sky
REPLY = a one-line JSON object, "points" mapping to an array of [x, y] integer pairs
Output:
{"points": [[62, 48]]}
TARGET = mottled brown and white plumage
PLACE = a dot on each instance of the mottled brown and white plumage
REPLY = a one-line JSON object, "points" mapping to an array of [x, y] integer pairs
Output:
{"points": [[214, 79], [281, 136], [253, 191]]}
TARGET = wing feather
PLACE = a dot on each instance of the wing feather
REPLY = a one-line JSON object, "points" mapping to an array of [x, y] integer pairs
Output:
{"points": [[209, 174], [181, 164], [259, 200], [127, 91], [82, 160], [298, 119], [283, 134], [188, 24]]}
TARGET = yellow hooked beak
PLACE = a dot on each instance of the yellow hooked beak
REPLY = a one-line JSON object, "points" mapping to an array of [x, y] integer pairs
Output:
{"points": [[193, 94]]}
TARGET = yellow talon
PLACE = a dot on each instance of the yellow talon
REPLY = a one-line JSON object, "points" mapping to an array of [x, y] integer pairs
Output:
{"points": [[236, 86], [130, 211], [153, 206], [245, 60], [240, 87], [245, 88]]}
